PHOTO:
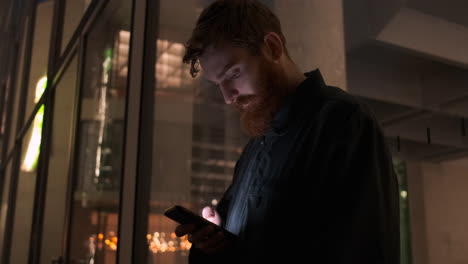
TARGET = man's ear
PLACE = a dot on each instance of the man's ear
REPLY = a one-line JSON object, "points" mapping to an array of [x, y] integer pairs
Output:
{"points": [[274, 48]]}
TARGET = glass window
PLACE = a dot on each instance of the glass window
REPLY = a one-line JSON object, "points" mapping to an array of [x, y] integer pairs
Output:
{"points": [[94, 220], [40, 54], [197, 138], [17, 91], [74, 10], [27, 177], [4, 203], [59, 162]]}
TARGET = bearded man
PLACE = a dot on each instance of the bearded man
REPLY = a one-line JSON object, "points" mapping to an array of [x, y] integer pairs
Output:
{"points": [[315, 183]]}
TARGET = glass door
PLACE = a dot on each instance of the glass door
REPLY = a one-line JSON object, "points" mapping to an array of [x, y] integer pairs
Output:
{"points": [[98, 157]]}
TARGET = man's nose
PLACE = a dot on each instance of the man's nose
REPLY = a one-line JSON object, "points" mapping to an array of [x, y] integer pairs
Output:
{"points": [[229, 93]]}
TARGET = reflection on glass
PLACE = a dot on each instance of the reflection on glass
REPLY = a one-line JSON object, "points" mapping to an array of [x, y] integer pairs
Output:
{"points": [[102, 124], [197, 139], [94, 223], [171, 73]]}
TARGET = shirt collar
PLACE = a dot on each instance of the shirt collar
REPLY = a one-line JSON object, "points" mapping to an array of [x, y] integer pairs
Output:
{"points": [[313, 82]]}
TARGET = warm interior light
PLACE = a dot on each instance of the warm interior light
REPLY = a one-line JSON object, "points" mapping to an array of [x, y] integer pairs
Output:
{"points": [[171, 72], [158, 242]]}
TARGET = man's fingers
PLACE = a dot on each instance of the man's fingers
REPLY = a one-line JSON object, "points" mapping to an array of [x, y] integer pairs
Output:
{"points": [[202, 234], [215, 244], [208, 212], [211, 241], [218, 248], [211, 215], [182, 230]]}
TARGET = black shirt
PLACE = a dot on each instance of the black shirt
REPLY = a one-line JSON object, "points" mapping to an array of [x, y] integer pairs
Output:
{"points": [[318, 185]]}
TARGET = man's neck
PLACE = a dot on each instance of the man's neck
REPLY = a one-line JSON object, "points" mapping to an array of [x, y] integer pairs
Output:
{"points": [[294, 77]]}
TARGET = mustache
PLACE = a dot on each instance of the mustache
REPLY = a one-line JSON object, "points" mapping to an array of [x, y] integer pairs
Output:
{"points": [[243, 100]]}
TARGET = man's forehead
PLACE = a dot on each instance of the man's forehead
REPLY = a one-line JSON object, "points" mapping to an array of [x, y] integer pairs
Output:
{"points": [[215, 58], [213, 55]]}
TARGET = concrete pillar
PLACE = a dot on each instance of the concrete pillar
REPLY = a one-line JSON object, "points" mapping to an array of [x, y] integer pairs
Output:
{"points": [[314, 34]]}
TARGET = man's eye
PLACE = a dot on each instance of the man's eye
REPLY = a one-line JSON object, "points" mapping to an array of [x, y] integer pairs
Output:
{"points": [[233, 76]]}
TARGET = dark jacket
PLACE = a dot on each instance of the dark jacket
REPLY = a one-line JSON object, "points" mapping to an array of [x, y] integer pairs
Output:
{"points": [[318, 187]]}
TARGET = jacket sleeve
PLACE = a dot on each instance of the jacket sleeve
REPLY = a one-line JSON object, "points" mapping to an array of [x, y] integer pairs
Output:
{"points": [[356, 197]]}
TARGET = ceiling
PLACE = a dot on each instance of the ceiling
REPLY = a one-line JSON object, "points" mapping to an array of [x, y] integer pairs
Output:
{"points": [[455, 11], [408, 59]]}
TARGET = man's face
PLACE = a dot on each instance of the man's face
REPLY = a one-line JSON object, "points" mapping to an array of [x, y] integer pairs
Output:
{"points": [[251, 83]]}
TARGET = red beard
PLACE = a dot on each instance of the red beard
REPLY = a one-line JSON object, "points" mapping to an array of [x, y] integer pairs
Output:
{"points": [[257, 111]]}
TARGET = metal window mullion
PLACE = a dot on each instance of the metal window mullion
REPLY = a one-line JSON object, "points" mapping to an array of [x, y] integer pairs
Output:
{"points": [[135, 190], [13, 189], [145, 155], [132, 119], [6, 106], [8, 57]]}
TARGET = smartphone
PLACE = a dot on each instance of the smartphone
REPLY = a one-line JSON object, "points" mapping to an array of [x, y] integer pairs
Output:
{"points": [[183, 215]]}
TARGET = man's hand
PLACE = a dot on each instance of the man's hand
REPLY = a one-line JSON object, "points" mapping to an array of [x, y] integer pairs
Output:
{"points": [[204, 238], [211, 215]]}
